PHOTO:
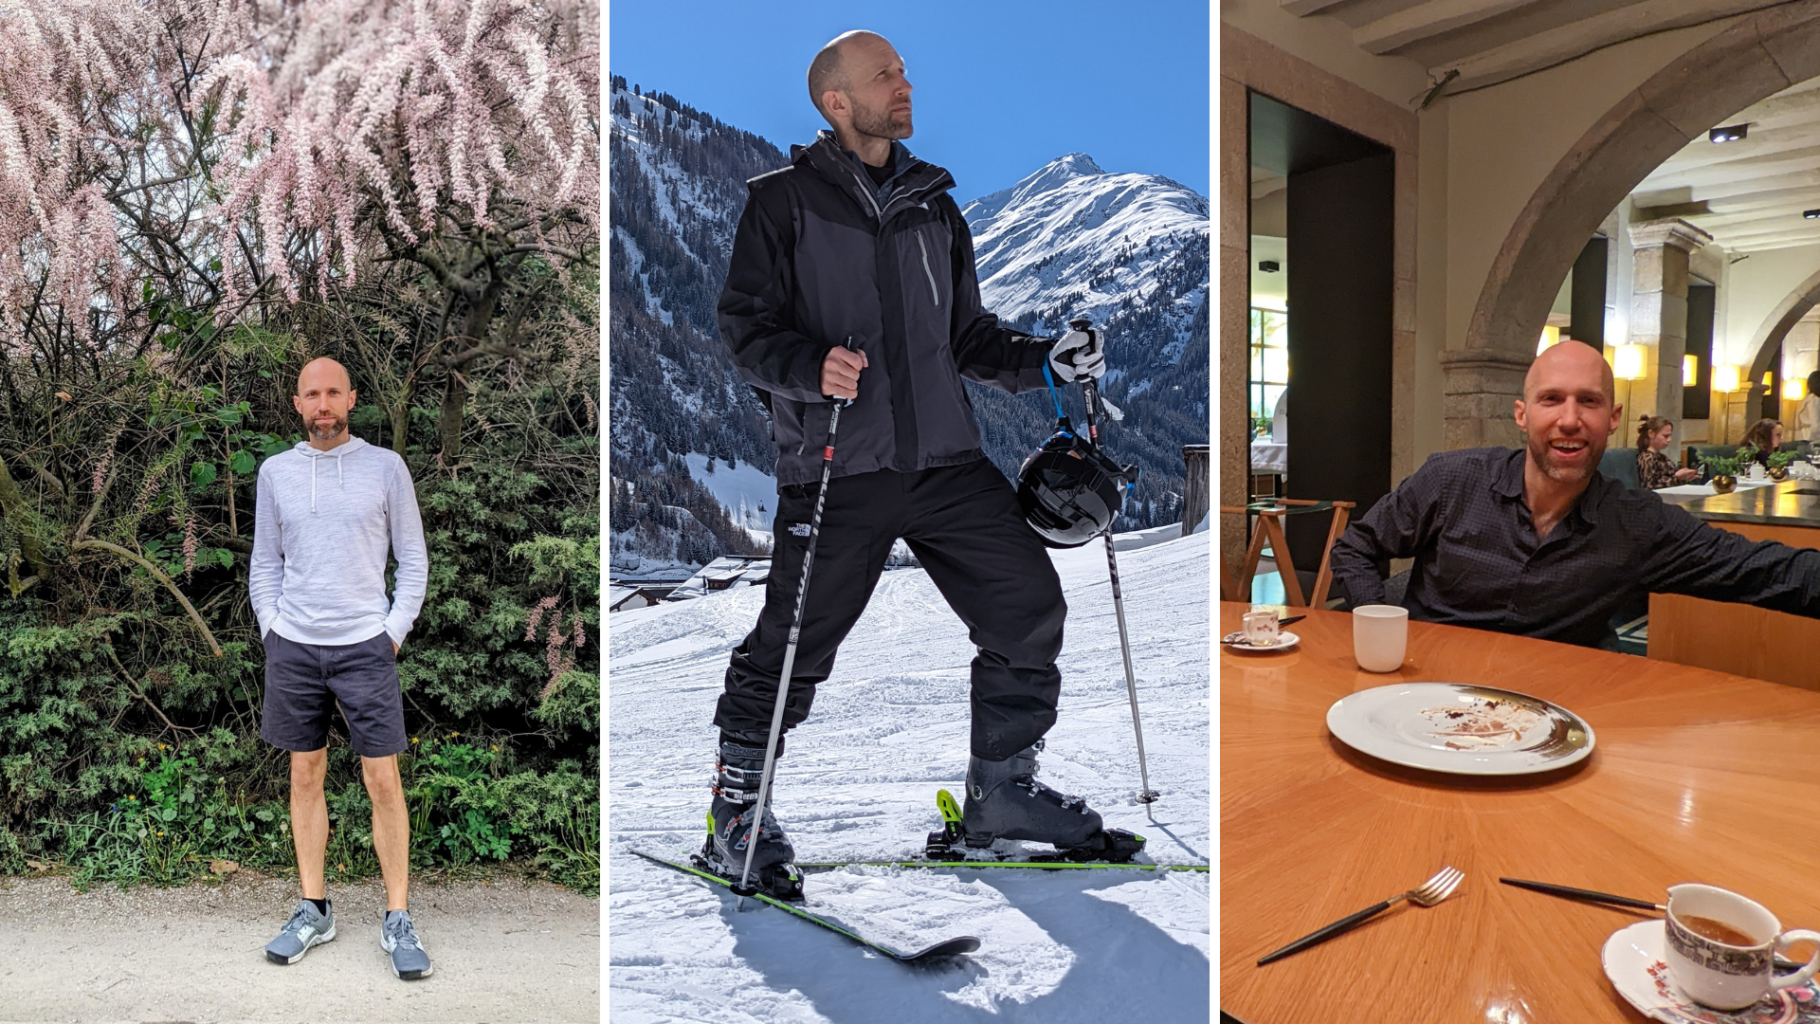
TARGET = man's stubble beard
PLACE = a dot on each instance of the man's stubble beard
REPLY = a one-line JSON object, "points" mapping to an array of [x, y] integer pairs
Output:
{"points": [[880, 124], [1542, 455], [330, 432]]}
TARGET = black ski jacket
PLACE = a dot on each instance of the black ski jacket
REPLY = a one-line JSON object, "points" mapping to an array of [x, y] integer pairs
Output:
{"points": [[823, 255]]}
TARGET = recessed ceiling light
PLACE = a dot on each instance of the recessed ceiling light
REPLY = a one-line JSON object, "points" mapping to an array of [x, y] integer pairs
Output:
{"points": [[1729, 133], [1811, 214]]}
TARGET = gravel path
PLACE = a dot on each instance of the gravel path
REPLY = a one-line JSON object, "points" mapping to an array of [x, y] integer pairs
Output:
{"points": [[505, 950]]}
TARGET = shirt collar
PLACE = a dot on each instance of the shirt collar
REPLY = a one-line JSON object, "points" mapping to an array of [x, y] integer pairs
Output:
{"points": [[1509, 484]]}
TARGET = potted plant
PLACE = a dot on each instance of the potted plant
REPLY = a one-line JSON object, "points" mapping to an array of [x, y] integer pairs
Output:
{"points": [[1778, 464], [1724, 471]]}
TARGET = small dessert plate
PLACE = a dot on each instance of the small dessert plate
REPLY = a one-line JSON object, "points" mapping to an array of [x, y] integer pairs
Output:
{"points": [[1634, 961], [1237, 642]]}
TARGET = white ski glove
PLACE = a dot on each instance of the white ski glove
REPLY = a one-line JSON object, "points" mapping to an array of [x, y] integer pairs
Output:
{"points": [[1078, 354]]}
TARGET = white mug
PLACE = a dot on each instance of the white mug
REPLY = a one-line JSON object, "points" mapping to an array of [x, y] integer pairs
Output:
{"points": [[1380, 636], [1728, 976]]}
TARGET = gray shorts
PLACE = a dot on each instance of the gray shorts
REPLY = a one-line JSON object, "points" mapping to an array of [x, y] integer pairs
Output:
{"points": [[304, 682]]}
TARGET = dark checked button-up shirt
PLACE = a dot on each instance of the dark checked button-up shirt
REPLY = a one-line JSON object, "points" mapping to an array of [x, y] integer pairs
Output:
{"points": [[1478, 562]]}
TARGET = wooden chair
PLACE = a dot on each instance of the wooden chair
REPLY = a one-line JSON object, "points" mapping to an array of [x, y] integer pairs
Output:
{"points": [[1270, 529]]}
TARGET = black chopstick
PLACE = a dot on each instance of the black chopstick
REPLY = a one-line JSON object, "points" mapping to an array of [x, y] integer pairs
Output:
{"points": [[1344, 924], [1583, 895], [1291, 619]]}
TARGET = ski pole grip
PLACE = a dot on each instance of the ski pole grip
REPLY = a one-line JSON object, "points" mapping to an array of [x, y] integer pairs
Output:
{"points": [[848, 345]]}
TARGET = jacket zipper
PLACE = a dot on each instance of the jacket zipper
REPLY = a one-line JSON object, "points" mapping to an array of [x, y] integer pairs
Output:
{"points": [[930, 273]]}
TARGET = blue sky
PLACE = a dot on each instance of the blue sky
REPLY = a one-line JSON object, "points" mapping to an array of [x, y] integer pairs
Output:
{"points": [[1001, 87]]}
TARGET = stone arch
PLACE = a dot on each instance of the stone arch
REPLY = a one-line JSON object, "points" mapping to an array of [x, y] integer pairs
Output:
{"points": [[1757, 57], [1780, 321]]}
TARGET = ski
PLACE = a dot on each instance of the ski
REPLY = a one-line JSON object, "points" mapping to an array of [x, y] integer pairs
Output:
{"points": [[1031, 864], [939, 951]]}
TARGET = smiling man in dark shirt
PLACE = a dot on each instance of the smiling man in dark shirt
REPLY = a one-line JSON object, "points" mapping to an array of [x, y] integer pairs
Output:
{"points": [[1538, 543]]}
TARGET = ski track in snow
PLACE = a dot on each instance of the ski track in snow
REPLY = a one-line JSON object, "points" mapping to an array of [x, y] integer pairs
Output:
{"points": [[888, 729]]}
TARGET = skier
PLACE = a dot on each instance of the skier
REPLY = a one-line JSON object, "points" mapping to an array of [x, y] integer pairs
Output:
{"points": [[857, 243]]}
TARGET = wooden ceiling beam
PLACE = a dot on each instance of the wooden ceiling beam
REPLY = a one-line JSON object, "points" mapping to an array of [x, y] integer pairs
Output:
{"points": [[1303, 8], [1718, 191], [1565, 42], [1789, 243], [1392, 32], [1790, 162], [1701, 153]]}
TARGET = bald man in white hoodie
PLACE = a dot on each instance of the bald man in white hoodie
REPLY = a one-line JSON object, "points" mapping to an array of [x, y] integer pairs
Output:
{"points": [[328, 510]]}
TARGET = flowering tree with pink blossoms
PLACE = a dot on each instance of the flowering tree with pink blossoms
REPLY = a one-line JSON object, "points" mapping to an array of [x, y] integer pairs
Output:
{"points": [[193, 170], [196, 196]]}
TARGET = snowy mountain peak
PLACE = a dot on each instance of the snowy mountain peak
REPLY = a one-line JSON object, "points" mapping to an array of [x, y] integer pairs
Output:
{"points": [[1051, 175], [1072, 239]]}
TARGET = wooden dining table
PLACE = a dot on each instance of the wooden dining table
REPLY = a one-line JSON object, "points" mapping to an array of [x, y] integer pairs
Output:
{"points": [[1695, 776]]}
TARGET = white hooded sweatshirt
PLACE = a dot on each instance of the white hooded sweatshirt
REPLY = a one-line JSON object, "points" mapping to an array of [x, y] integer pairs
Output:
{"points": [[320, 536]]}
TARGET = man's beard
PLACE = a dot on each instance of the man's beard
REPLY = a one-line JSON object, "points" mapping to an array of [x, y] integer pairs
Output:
{"points": [[1543, 456], [880, 124], [330, 432]]}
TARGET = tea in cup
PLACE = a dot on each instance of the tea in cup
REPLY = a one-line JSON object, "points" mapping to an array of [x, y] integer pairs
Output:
{"points": [[1721, 947]]}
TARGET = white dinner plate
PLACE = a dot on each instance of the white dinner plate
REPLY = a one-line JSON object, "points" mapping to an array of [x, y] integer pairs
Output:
{"points": [[1634, 962], [1463, 730], [1237, 642]]}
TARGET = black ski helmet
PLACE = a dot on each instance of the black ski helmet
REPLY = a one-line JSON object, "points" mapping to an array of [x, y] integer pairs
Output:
{"points": [[1070, 492]]}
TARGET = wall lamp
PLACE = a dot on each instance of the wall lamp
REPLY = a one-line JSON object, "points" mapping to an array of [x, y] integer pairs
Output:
{"points": [[1627, 362], [1727, 378]]}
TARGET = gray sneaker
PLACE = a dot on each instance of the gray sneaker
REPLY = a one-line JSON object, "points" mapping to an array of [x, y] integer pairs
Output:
{"points": [[306, 928], [399, 939]]}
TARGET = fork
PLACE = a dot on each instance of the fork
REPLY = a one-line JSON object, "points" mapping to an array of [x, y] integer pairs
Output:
{"points": [[1427, 894]]}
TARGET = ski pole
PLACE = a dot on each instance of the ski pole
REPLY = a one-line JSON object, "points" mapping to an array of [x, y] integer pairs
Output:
{"points": [[1145, 795], [745, 888]]}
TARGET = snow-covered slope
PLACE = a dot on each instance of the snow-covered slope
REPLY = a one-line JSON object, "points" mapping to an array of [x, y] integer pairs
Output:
{"points": [[1073, 240], [859, 782]]}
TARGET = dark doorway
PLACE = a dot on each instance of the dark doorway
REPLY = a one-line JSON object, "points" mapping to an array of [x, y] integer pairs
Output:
{"points": [[1769, 407], [1587, 290], [1339, 226], [1697, 398]]}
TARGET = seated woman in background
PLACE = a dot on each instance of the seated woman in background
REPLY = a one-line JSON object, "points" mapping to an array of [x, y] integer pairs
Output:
{"points": [[1655, 469], [1766, 435]]}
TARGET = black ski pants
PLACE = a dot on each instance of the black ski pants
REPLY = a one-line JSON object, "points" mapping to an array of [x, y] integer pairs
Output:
{"points": [[964, 526]]}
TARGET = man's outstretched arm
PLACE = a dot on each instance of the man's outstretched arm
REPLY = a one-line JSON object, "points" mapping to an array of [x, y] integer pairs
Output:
{"points": [[1697, 559]]}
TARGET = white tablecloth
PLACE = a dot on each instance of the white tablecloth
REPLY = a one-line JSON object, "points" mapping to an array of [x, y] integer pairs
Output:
{"points": [[1269, 457], [1744, 484]]}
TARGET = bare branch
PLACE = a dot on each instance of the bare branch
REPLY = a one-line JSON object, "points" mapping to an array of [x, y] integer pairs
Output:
{"points": [[159, 575]]}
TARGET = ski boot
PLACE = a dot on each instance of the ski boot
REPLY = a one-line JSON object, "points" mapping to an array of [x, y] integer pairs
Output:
{"points": [[737, 775], [1004, 801]]}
